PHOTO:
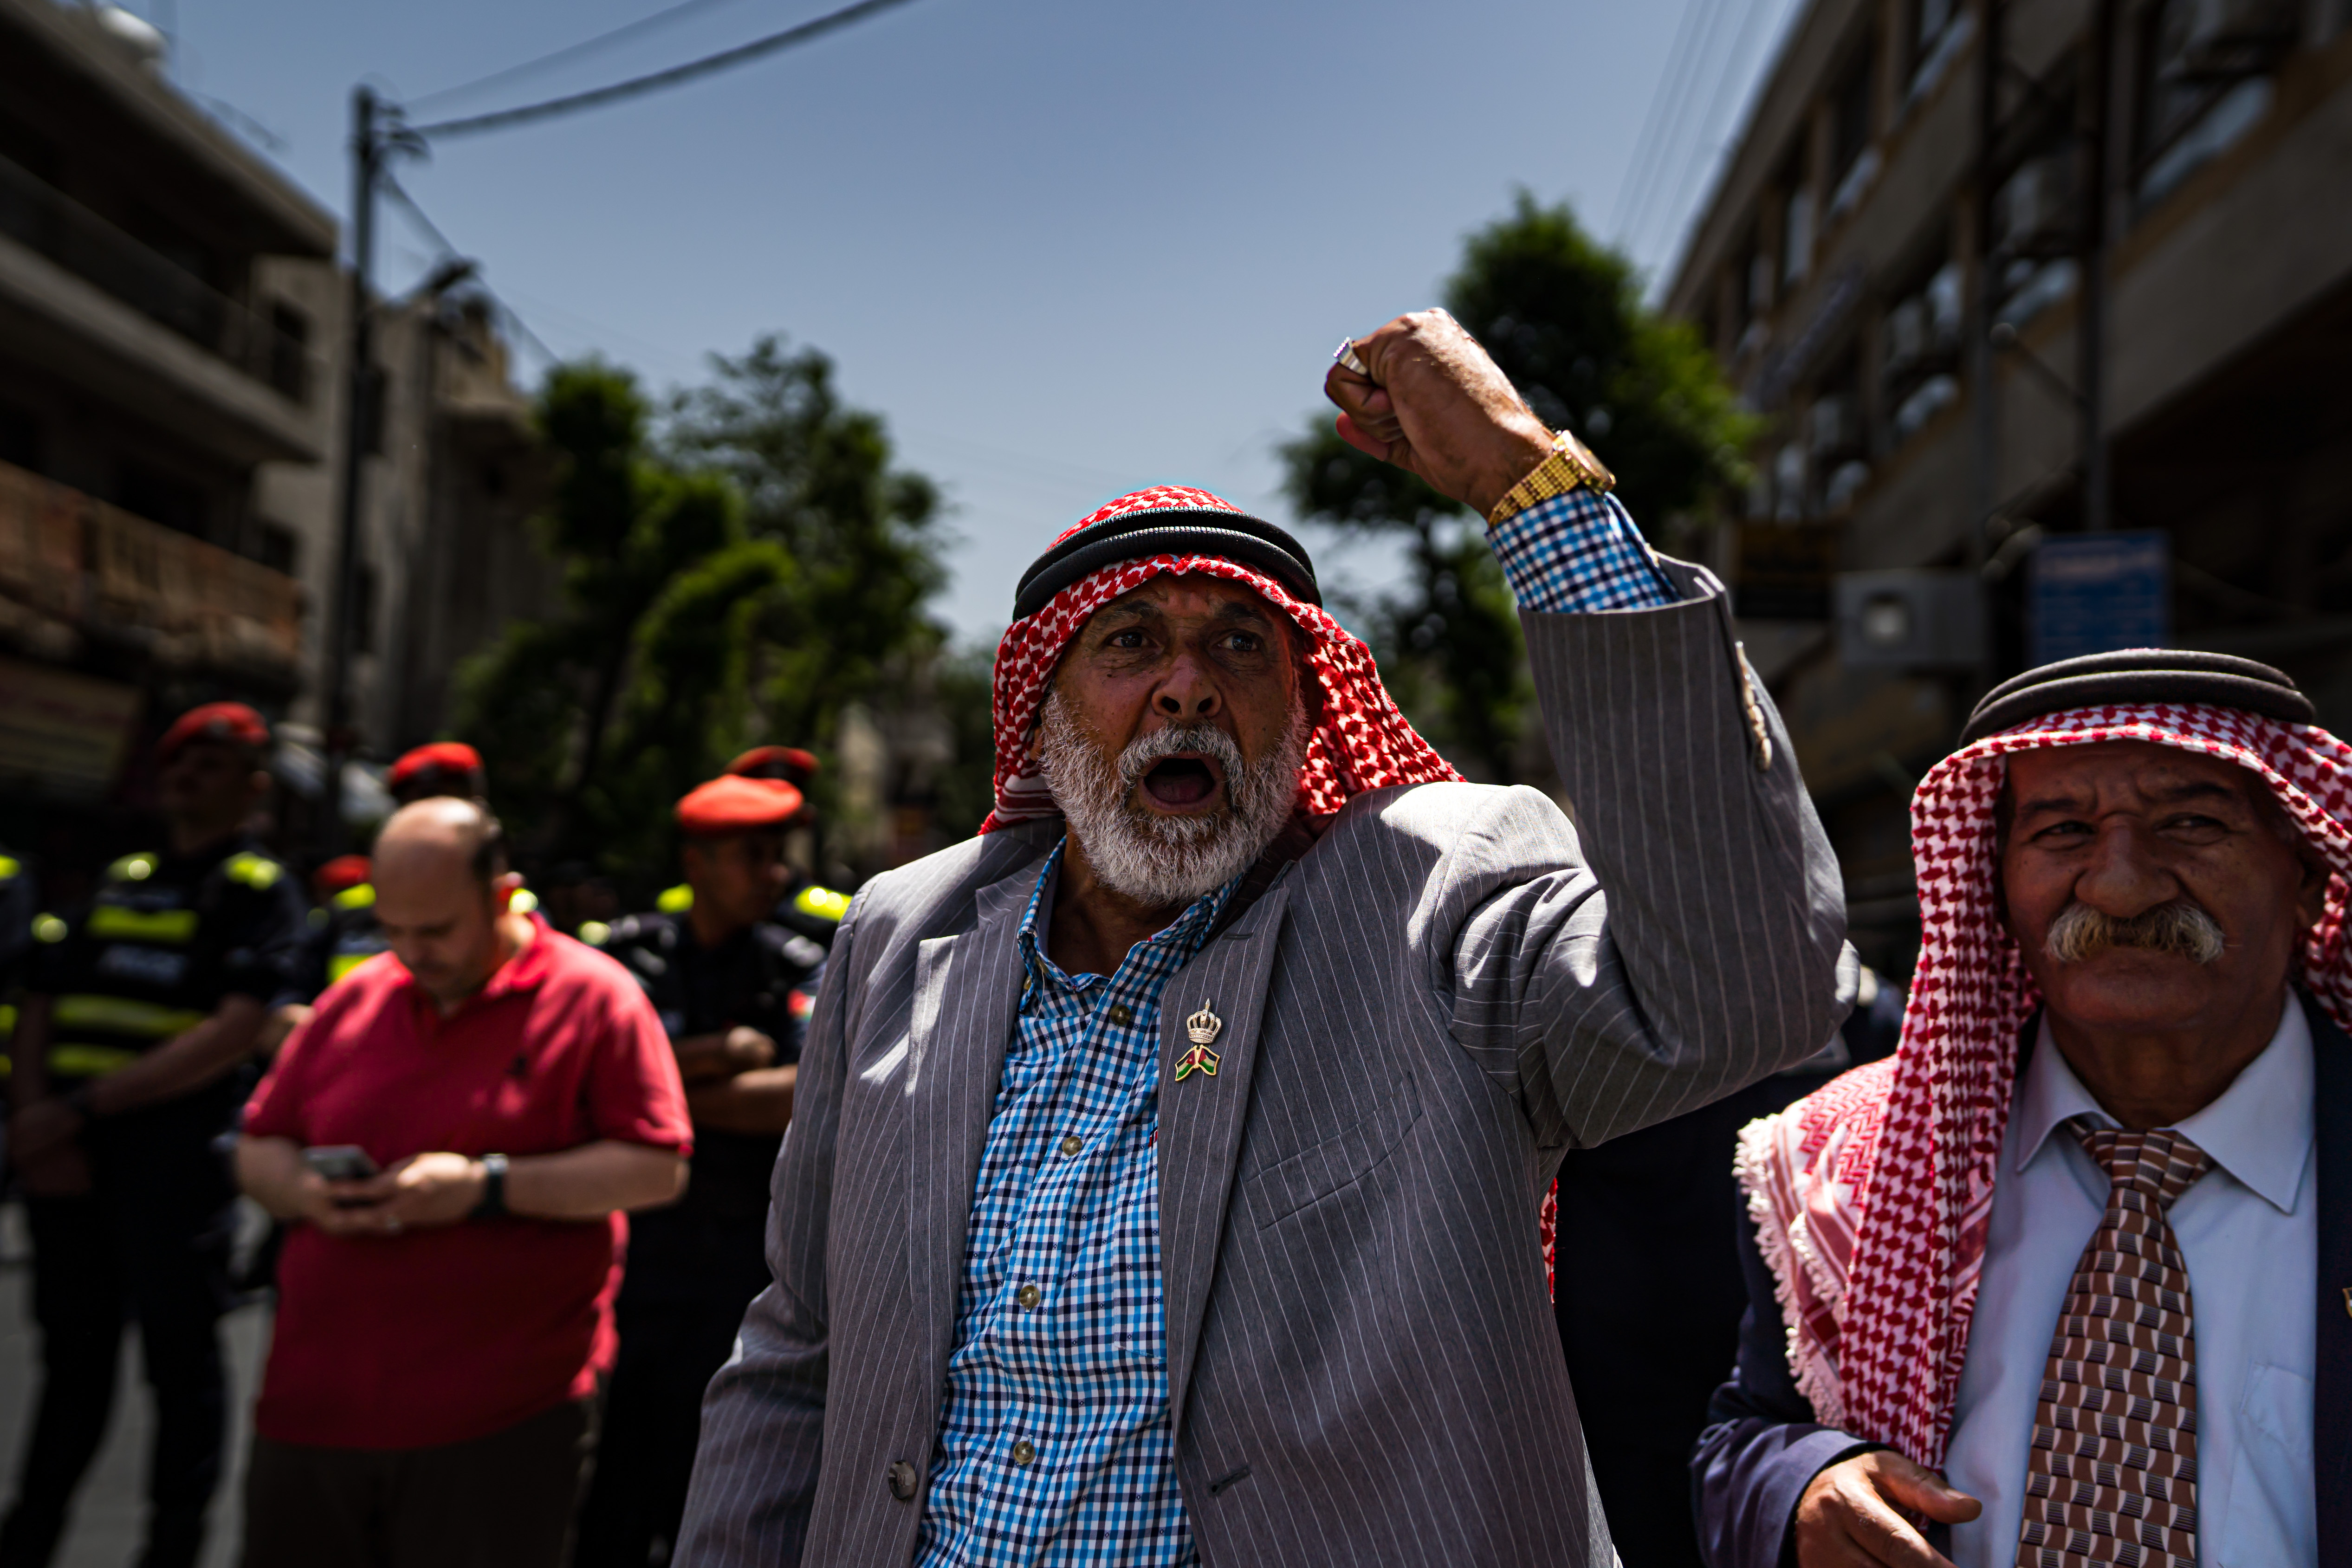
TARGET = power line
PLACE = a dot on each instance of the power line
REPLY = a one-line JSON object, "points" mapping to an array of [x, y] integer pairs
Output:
{"points": [[1678, 121], [433, 231], [1708, 149], [1653, 123], [806, 32], [643, 24]]}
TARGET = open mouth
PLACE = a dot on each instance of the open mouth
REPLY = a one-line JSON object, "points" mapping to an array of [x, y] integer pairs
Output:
{"points": [[1180, 783]]}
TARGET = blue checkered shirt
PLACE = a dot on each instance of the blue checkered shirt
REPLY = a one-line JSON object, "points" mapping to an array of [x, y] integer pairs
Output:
{"points": [[1055, 1446], [1579, 552]]}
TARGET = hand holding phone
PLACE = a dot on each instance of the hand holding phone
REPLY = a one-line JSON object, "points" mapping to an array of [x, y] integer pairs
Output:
{"points": [[339, 1162]]}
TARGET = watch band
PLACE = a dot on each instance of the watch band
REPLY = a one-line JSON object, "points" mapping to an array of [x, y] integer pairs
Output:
{"points": [[1570, 466], [493, 1188]]}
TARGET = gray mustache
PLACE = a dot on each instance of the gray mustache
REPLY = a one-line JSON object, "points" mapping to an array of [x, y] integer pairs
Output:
{"points": [[2081, 932], [1149, 750]]}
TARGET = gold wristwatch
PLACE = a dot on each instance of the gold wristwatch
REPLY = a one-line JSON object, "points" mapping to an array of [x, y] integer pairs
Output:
{"points": [[1569, 465]]}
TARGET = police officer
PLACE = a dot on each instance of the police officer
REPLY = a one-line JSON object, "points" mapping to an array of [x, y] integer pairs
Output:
{"points": [[806, 907], [346, 933], [733, 989], [128, 1062]]}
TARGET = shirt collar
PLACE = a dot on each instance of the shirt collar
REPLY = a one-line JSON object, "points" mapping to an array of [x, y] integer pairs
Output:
{"points": [[1184, 932], [2259, 1129]]}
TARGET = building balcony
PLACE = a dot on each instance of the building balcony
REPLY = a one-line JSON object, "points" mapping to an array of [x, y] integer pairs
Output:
{"points": [[86, 301], [76, 573]]}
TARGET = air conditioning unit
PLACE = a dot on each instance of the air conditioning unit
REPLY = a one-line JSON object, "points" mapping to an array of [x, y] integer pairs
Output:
{"points": [[2033, 212], [2227, 39], [1834, 425], [1907, 336], [1909, 618]]}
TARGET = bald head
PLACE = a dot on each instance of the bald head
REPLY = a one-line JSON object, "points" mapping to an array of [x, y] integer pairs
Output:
{"points": [[441, 888], [439, 837]]}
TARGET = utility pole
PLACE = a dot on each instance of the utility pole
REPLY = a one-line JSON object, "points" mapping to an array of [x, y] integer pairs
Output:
{"points": [[358, 423], [2091, 269]]}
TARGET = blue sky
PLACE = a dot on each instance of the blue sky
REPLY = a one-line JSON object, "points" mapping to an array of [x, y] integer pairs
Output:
{"points": [[1065, 249]]}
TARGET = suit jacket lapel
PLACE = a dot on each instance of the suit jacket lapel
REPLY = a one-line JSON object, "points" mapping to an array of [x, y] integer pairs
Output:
{"points": [[1201, 1118], [2331, 1063], [967, 996]]}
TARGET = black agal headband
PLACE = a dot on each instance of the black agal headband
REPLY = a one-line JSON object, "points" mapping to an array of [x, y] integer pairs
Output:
{"points": [[1176, 530], [2138, 676]]}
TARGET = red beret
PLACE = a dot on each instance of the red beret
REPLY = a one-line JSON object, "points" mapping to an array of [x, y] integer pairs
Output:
{"points": [[342, 871], [448, 756], [232, 721], [789, 763], [729, 804]]}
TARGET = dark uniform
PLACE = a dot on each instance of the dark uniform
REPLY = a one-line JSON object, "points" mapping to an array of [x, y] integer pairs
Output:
{"points": [[807, 908], [18, 890], [166, 939], [693, 1267], [343, 935]]}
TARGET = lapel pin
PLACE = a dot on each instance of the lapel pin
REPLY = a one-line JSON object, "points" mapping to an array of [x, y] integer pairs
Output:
{"points": [[1201, 1028]]}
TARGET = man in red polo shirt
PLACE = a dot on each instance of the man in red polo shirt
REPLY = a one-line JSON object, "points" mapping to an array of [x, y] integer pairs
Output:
{"points": [[442, 1325]]}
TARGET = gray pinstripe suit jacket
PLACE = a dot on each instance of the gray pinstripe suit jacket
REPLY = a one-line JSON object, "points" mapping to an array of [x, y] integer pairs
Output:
{"points": [[1454, 986]]}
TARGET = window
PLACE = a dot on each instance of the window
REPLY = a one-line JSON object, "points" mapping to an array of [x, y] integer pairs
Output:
{"points": [[2204, 78], [1930, 20], [1797, 220], [1852, 115], [20, 439], [275, 547], [289, 350], [158, 497]]}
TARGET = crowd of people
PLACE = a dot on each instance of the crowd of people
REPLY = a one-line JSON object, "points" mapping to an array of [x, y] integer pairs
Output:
{"points": [[1528, 1185], [445, 1138]]}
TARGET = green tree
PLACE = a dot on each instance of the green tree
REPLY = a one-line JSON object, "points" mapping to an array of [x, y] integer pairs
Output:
{"points": [[817, 480], [1563, 316], [743, 573], [590, 722]]}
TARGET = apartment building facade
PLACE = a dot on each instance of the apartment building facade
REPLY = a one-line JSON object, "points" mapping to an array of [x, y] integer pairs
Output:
{"points": [[171, 414], [1892, 268]]}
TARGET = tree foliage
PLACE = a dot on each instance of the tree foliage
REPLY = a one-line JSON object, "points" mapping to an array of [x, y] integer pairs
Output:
{"points": [[738, 576], [1563, 316]]}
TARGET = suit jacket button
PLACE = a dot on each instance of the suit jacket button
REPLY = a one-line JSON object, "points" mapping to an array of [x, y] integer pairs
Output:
{"points": [[902, 1480]]}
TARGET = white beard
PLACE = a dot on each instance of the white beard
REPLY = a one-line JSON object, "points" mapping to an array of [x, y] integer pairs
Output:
{"points": [[1153, 858]]}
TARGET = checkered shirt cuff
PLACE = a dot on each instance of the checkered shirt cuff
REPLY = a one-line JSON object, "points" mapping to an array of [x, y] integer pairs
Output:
{"points": [[1579, 552]]}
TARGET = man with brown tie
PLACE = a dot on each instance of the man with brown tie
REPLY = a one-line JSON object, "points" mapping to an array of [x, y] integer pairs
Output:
{"points": [[2083, 1246]]}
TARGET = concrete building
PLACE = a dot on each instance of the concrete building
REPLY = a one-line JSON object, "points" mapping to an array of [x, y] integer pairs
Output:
{"points": [[171, 317], [1892, 268]]}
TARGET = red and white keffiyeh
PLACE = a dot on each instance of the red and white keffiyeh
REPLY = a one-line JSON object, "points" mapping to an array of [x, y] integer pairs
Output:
{"points": [[1361, 741], [1871, 1197]]}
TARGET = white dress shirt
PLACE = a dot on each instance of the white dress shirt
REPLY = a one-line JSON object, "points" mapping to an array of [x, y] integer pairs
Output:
{"points": [[2249, 1230]]}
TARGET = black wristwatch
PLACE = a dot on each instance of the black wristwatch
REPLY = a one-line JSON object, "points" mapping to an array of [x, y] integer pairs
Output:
{"points": [[493, 1188]]}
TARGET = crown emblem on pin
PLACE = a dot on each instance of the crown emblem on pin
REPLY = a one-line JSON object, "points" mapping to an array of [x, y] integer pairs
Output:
{"points": [[1201, 1027]]}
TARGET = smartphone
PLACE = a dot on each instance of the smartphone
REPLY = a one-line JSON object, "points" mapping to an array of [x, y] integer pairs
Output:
{"points": [[340, 1162]]}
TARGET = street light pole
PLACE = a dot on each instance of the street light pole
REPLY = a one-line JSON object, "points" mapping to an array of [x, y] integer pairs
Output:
{"points": [[359, 399]]}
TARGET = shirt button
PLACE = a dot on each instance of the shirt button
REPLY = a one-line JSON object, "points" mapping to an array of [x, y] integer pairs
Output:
{"points": [[902, 1480], [1072, 1144], [1122, 1014], [1025, 1453], [1028, 1296]]}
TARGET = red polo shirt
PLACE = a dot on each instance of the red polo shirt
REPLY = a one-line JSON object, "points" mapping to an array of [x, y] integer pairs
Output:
{"points": [[456, 1331]]}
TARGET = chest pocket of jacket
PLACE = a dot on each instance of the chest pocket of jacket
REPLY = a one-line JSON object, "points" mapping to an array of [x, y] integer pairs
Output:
{"points": [[1341, 1160]]}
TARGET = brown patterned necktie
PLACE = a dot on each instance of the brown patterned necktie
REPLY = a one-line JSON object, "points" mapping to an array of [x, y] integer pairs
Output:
{"points": [[2112, 1476]]}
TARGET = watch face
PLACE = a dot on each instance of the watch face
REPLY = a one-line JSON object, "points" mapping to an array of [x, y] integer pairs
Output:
{"points": [[1599, 474]]}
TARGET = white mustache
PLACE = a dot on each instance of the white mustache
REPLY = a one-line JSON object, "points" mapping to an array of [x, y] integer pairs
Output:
{"points": [[2081, 932]]}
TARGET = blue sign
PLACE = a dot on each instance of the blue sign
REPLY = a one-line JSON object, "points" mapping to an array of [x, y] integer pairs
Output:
{"points": [[2095, 593]]}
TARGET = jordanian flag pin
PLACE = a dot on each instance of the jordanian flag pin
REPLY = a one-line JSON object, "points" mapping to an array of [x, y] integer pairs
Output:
{"points": [[1201, 1028]]}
